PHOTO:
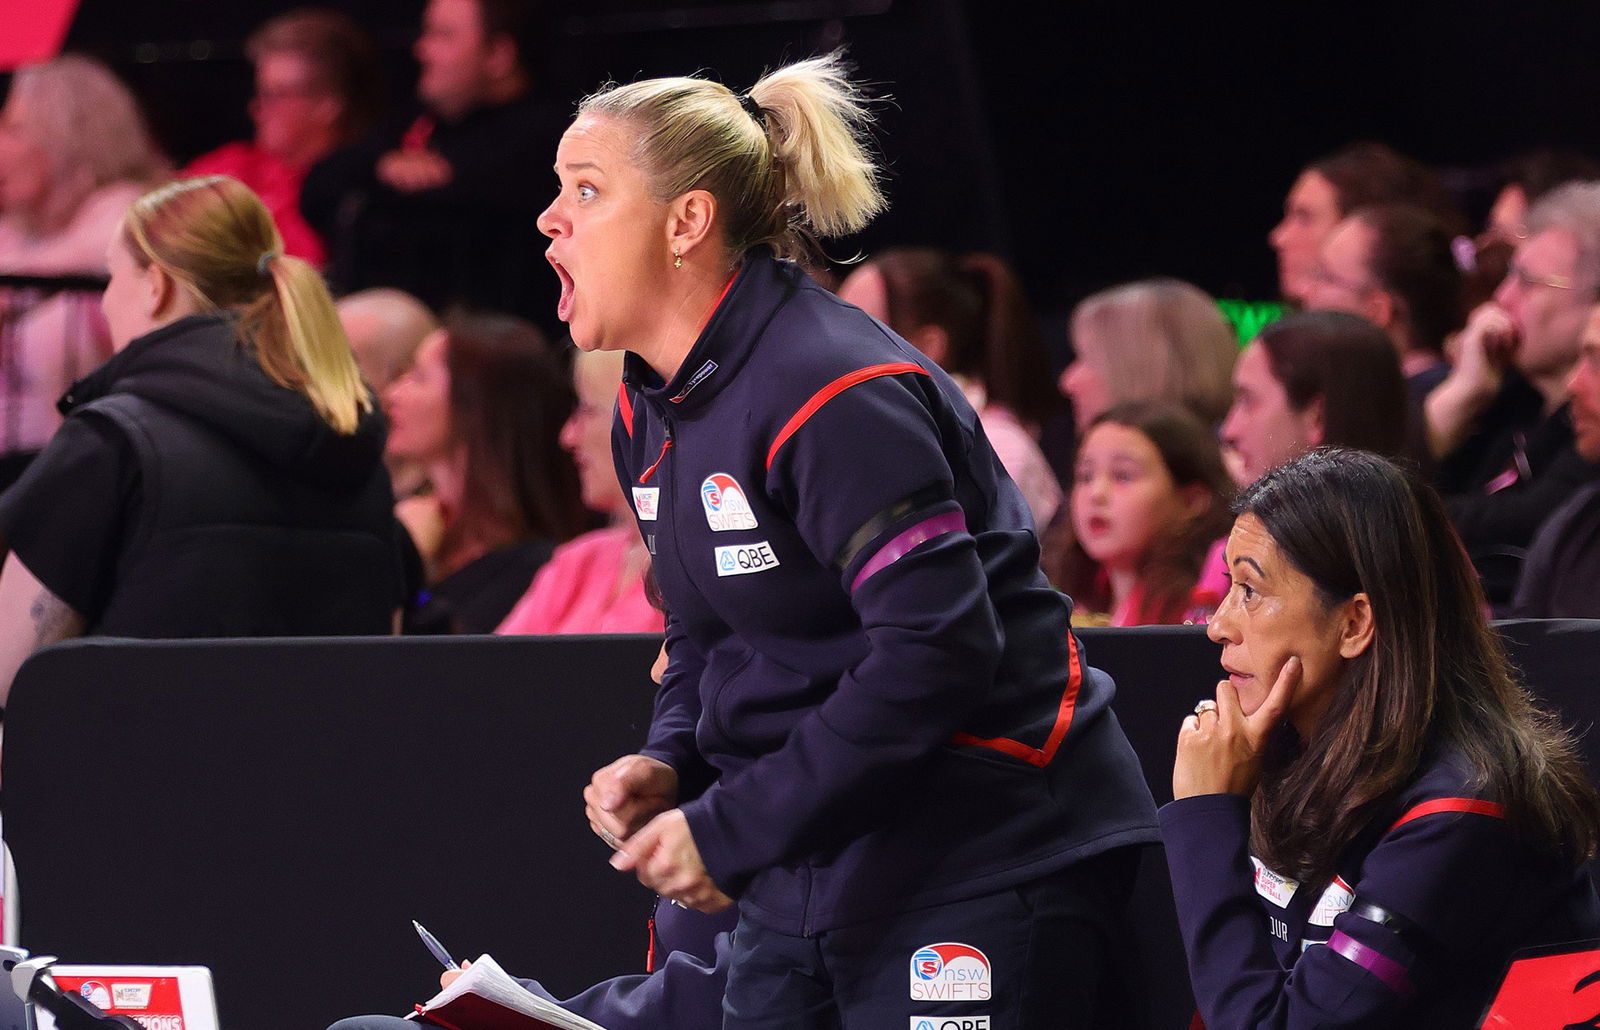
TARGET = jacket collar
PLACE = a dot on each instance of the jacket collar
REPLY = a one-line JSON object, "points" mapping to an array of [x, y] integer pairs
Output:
{"points": [[210, 329], [762, 286]]}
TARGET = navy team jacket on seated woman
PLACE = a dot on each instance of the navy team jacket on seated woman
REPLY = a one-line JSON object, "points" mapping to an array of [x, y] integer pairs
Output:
{"points": [[873, 699], [1415, 931]]}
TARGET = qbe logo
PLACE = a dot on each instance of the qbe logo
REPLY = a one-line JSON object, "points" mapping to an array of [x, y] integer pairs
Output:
{"points": [[950, 972], [726, 506], [949, 1023], [744, 559]]}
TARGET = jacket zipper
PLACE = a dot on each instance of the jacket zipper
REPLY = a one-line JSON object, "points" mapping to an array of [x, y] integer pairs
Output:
{"points": [[666, 445]]}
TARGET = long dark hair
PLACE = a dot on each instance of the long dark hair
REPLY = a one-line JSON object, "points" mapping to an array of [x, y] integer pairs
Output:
{"points": [[1368, 172], [1352, 367], [1412, 258], [1435, 674], [979, 303], [509, 397], [1189, 451]]}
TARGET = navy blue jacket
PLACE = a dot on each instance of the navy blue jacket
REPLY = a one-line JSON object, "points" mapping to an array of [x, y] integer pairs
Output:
{"points": [[683, 991], [873, 699], [1462, 893]]}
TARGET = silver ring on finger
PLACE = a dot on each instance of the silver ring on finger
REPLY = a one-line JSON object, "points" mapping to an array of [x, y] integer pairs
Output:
{"points": [[610, 838], [1205, 706]]}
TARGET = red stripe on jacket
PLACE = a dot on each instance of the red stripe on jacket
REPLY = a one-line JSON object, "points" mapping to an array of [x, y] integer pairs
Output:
{"points": [[832, 390], [1040, 756], [625, 407], [1473, 805]]}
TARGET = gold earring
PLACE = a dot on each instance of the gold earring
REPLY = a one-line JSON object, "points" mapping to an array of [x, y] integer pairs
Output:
{"points": [[677, 259]]}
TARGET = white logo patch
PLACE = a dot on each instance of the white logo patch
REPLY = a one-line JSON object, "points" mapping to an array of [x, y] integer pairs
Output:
{"points": [[131, 996], [726, 506], [950, 972], [1335, 901], [743, 559], [949, 1023], [1275, 887], [645, 499]]}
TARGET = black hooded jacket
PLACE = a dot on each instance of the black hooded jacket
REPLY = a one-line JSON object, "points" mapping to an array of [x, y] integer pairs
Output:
{"points": [[189, 495]]}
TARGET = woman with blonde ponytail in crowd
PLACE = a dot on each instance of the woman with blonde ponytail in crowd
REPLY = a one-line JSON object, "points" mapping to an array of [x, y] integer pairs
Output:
{"points": [[875, 731], [221, 474]]}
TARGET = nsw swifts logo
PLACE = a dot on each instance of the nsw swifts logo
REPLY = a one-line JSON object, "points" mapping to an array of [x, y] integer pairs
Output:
{"points": [[950, 972], [726, 506], [96, 993]]}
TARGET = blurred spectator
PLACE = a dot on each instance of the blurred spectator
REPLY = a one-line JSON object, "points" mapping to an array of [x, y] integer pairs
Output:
{"points": [[219, 475], [481, 409], [1524, 180], [1149, 498], [317, 88], [1157, 339], [1561, 576], [1500, 419], [1311, 379], [968, 314], [74, 153], [596, 583], [441, 201], [1395, 265], [1331, 187], [1527, 179], [385, 328]]}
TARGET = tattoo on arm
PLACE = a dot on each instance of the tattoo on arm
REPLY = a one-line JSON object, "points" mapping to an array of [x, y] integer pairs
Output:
{"points": [[53, 619]]}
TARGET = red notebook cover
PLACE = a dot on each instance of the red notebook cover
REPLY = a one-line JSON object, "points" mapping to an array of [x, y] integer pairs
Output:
{"points": [[475, 1012]]}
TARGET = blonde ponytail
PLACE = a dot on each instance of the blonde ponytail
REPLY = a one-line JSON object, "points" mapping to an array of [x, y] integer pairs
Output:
{"points": [[788, 164], [817, 121], [314, 354], [217, 240]]}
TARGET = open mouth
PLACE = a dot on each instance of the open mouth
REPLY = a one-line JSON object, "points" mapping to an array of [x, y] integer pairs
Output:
{"points": [[1097, 525], [568, 288]]}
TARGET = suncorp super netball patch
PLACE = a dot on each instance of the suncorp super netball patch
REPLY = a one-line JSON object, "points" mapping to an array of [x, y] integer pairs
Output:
{"points": [[950, 972], [726, 506]]}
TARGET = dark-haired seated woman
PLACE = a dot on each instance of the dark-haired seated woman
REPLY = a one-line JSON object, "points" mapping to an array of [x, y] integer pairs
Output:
{"points": [[480, 410], [1372, 815]]}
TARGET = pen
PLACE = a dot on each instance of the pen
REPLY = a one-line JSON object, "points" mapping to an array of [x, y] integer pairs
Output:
{"points": [[433, 946]]}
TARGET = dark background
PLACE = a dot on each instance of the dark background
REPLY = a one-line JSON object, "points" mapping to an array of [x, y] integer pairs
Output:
{"points": [[1090, 144]]}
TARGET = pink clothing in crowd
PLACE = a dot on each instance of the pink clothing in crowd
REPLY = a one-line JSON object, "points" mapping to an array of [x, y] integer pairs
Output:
{"points": [[581, 590], [1019, 453], [1214, 579], [50, 342], [277, 183]]}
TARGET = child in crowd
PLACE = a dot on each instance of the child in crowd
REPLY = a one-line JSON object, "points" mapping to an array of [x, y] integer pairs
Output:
{"points": [[1149, 498]]}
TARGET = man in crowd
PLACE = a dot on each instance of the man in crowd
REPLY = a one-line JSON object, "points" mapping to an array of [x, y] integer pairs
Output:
{"points": [[441, 202], [1500, 421], [317, 89], [1561, 576]]}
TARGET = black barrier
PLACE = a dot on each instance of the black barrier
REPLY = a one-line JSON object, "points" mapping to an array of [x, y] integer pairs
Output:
{"points": [[280, 810]]}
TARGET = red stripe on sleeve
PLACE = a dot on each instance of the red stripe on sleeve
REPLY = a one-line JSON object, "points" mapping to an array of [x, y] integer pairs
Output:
{"points": [[1040, 756], [1472, 805], [625, 407], [832, 390]]}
